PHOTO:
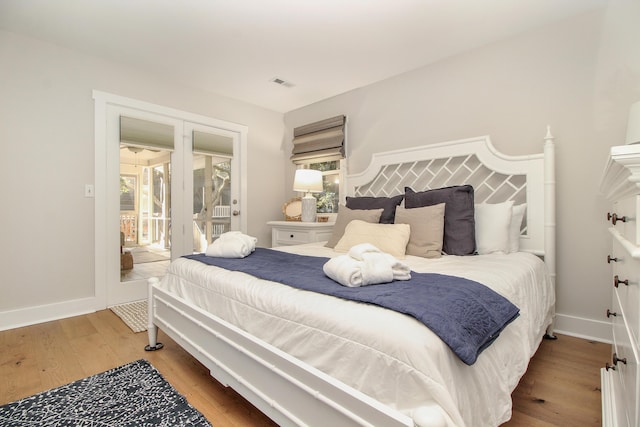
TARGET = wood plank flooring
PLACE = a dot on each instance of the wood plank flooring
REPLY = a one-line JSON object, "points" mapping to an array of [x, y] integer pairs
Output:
{"points": [[560, 388]]}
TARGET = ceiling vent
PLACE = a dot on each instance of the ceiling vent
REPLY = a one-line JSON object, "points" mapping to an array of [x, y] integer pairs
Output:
{"points": [[281, 82]]}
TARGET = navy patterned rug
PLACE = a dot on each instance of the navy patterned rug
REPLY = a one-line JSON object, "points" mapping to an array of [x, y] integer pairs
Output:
{"points": [[135, 394]]}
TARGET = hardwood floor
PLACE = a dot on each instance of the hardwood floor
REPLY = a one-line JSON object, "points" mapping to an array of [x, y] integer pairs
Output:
{"points": [[562, 385], [560, 388]]}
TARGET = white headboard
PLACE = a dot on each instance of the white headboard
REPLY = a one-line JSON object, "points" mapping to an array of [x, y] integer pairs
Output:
{"points": [[494, 176]]}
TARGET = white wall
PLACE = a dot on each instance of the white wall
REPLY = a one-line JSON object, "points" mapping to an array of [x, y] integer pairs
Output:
{"points": [[47, 156], [511, 90]]}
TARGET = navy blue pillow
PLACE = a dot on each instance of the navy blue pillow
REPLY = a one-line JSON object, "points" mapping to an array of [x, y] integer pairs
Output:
{"points": [[459, 221], [387, 203]]}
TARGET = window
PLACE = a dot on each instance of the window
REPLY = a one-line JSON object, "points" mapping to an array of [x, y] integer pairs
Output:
{"points": [[327, 201], [128, 187], [321, 146]]}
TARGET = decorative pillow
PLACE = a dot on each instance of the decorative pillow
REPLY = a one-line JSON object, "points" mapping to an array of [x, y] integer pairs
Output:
{"points": [[427, 229], [493, 227], [345, 216], [387, 203], [389, 238], [459, 223], [517, 215]]}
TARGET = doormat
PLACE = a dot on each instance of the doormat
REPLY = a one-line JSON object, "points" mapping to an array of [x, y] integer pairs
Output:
{"points": [[133, 314], [135, 394], [143, 255]]}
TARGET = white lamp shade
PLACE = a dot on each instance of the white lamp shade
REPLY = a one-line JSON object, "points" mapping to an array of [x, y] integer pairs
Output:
{"points": [[308, 181], [633, 126]]}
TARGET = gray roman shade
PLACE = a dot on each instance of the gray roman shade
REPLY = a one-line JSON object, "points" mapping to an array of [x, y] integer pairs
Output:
{"points": [[321, 141], [212, 144], [145, 134]]}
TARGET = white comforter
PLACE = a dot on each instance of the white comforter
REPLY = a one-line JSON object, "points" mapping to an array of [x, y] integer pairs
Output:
{"points": [[389, 356]]}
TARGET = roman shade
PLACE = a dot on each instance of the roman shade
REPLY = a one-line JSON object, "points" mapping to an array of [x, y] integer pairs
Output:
{"points": [[321, 141], [212, 144], [145, 134]]}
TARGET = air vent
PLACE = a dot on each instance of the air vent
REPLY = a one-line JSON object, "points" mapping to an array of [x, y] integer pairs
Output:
{"points": [[281, 82]]}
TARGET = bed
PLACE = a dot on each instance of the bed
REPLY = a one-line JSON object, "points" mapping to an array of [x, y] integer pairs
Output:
{"points": [[308, 359]]}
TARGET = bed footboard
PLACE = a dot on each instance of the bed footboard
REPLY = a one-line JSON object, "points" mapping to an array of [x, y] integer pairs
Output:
{"points": [[288, 391], [152, 329]]}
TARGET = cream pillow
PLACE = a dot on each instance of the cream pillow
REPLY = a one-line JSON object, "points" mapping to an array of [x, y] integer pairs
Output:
{"points": [[493, 224], [427, 229], [389, 238], [345, 216]]}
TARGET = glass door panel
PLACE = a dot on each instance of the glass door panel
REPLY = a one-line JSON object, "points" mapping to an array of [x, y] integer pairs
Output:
{"points": [[215, 203], [211, 199], [145, 200]]}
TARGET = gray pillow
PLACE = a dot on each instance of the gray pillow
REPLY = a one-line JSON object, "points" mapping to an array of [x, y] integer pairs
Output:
{"points": [[459, 222], [387, 203], [427, 229], [345, 216]]}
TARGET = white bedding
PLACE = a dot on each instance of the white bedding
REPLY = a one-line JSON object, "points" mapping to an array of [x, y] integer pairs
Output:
{"points": [[389, 356]]}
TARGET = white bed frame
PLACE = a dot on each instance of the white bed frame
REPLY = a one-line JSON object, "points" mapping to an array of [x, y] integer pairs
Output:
{"points": [[293, 393]]}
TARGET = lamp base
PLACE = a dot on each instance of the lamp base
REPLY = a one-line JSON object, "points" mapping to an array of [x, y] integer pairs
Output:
{"points": [[308, 208]]}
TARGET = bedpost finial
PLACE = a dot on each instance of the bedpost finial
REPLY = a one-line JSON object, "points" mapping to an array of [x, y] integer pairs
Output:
{"points": [[549, 136]]}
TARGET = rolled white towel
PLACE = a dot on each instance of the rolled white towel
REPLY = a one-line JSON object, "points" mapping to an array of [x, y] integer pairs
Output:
{"points": [[238, 235], [366, 265], [232, 244], [344, 270], [359, 251], [376, 268], [376, 258]]}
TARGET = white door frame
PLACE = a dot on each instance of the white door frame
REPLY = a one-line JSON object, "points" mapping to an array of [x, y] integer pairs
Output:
{"points": [[107, 169]]}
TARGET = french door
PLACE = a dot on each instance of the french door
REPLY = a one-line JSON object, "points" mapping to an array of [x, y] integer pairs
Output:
{"points": [[214, 183], [172, 184]]}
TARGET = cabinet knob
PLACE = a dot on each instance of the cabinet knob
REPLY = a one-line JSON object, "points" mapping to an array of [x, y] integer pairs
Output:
{"points": [[614, 218], [611, 313], [617, 281], [610, 259], [617, 359], [609, 367]]}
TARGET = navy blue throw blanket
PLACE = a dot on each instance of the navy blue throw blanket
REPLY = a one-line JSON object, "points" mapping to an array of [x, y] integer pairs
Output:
{"points": [[466, 315]]}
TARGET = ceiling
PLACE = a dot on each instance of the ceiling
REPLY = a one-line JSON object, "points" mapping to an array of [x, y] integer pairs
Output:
{"points": [[320, 48]]}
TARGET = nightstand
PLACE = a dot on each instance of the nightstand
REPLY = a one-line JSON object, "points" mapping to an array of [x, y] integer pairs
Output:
{"points": [[285, 233]]}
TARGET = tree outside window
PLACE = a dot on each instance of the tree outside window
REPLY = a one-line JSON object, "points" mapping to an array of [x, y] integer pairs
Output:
{"points": [[127, 192], [327, 201]]}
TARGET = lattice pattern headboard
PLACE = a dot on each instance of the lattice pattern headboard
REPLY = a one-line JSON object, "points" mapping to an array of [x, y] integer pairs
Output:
{"points": [[494, 176], [489, 186]]}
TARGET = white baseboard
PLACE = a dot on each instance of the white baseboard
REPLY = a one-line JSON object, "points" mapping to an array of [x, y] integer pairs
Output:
{"points": [[45, 313], [579, 327]]}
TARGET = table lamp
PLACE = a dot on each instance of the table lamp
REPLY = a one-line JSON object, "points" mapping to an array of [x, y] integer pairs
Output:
{"points": [[308, 181]]}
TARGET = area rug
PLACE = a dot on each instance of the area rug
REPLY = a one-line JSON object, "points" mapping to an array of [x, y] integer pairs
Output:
{"points": [[143, 255], [135, 394], [133, 314]]}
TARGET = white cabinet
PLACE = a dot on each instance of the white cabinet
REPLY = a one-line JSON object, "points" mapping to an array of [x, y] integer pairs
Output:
{"points": [[285, 233], [621, 377]]}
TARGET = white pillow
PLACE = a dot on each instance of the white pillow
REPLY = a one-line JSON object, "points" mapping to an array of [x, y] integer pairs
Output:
{"points": [[493, 225], [389, 238], [516, 223]]}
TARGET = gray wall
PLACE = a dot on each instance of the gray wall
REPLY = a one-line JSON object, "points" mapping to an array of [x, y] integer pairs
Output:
{"points": [[47, 156], [511, 90]]}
